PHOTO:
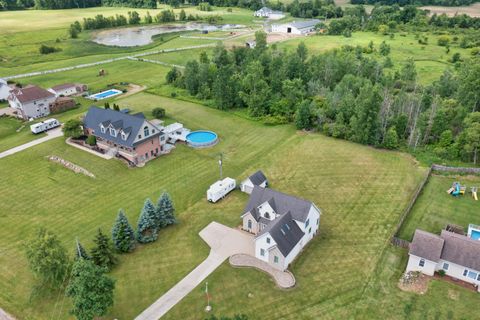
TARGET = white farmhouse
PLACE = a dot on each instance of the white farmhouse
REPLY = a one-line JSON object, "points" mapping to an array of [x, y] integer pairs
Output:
{"points": [[67, 89], [282, 225], [256, 179], [456, 254], [4, 90], [269, 13], [31, 101], [296, 27]]}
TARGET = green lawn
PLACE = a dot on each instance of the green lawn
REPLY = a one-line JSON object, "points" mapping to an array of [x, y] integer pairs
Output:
{"points": [[435, 208], [180, 59], [431, 60]]}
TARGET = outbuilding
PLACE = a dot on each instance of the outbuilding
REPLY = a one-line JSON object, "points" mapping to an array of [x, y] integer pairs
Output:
{"points": [[296, 27], [256, 179]]}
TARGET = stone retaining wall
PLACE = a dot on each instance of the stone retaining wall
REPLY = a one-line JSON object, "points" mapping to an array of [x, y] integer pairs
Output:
{"points": [[71, 166]]}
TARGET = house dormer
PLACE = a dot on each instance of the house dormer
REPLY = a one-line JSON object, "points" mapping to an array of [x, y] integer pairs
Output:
{"points": [[267, 210], [102, 128], [124, 135]]}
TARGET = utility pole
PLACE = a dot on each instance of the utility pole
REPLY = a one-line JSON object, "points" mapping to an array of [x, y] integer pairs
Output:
{"points": [[220, 163]]}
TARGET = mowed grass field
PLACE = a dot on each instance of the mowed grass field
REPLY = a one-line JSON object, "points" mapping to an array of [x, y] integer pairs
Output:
{"points": [[435, 208], [361, 191], [431, 60]]}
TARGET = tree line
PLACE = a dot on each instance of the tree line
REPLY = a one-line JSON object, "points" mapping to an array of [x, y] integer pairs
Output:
{"points": [[345, 93], [448, 3], [85, 279], [73, 4]]}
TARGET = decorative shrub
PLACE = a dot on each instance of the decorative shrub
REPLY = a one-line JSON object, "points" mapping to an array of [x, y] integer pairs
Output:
{"points": [[91, 140]]}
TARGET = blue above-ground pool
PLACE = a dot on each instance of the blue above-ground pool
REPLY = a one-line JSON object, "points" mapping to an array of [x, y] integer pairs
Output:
{"points": [[202, 138], [475, 235], [105, 94]]}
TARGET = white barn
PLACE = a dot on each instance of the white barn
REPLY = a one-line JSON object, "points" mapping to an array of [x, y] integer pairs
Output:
{"points": [[457, 255], [296, 27], [256, 179], [282, 225], [269, 13], [4, 90]]}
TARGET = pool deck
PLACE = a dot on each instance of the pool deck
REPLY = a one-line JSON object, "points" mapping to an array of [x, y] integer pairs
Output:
{"points": [[98, 96]]}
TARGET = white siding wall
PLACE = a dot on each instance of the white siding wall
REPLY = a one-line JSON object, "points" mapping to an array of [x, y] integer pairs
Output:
{"points": [[261, 243], [246, 186], [34, 109], [313, 225], [266, 208], [65, 92], [413, 265], [293, 254], [456, 271]]}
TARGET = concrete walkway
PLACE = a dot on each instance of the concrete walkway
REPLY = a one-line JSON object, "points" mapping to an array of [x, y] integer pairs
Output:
{"points": [[52, 134], [105, 156], [223, 242], [284, 279]]}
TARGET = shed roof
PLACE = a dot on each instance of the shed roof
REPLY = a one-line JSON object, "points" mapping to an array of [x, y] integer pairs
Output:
{"points": [[305, 24], [258, 178]]}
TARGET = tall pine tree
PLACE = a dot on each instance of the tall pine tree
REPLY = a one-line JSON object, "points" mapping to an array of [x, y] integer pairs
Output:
{"points": [[147, 229], [165, 211], [80, 251], [123, 235], [102, 253]]}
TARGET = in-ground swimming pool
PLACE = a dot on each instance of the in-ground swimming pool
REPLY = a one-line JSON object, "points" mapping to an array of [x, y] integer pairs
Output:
{"points": [[105, 94], [475, 235], [202, 138]]}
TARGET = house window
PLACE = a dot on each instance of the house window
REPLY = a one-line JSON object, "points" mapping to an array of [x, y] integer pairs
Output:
{"points": [[162, 138], [478, 277], [465, 272], [262, 252], [445, 266], [146, 132], [151, 152], [249, 224], [421, 263], [102, 129], [307, 223], [146, 155], [268, 240], [153, 131], [124, 136], [267, 215], [472, 275], [139, 136], [318, 221], [156, 150], [113, 132], [310, 230], [275, 259]]}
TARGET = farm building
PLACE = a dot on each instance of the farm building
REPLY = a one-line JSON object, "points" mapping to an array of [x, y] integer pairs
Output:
{"points": [[282, 225], [457, 255], [296, 27], [4, 90], [131, 137], [68, 89], [256, 179], [31, 101], [269, 13]]}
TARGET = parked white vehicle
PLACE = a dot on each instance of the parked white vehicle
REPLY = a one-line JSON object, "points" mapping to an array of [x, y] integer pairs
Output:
{"points": [[220, 189], [44, 125]]}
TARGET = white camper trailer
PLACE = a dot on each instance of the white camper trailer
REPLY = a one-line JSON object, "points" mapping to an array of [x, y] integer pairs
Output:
{"points": [[44, 125], [220, 189]]}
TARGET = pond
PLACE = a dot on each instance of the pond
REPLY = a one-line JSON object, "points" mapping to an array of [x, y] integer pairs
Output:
{"points": [[140, 36]]}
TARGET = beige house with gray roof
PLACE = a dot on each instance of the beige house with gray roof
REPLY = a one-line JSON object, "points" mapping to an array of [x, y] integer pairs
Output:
{"points": [[456, 254]]}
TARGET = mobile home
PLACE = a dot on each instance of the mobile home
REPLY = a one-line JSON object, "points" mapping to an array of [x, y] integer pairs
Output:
{"points": [[44, 125]]}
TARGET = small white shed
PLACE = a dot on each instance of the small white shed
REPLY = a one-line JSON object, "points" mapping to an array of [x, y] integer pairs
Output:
{"points": [[256, 179], [220, 189]]}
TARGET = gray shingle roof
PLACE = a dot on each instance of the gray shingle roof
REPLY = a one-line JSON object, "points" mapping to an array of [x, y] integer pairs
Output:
{"points": [[461, 250], [128, 123], [305, 24], [31, 93], [426, 245], [63, 86], [283, 203], [286, 233], [257, 178]]}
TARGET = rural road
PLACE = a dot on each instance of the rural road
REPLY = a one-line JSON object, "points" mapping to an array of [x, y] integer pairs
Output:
{"points": [[223, 242], [52, 134]]}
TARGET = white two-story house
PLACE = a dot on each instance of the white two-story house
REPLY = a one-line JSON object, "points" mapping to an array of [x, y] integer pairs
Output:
{"points": [[456, 254], [31, 101], [282, 225]]}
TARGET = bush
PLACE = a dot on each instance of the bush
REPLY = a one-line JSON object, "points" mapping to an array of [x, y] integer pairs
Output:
{"points": [[158, 113], [91, 140], [47, 50], [443, 41], [441, 273]]}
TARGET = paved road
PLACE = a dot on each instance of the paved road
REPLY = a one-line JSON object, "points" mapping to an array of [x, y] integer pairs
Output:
{"points": [[52, 134], [223, 242]]}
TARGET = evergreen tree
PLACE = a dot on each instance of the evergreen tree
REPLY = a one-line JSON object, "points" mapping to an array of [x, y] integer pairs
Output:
{"points": [[147, 230], [123, 235], [303, 118], [80, 251], [102, 253], [182, 16], [90, 289], [391, 139], [165, 211]]}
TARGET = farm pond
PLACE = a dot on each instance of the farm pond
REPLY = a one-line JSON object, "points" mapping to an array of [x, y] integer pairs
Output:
{"points": [[140, 36]]}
